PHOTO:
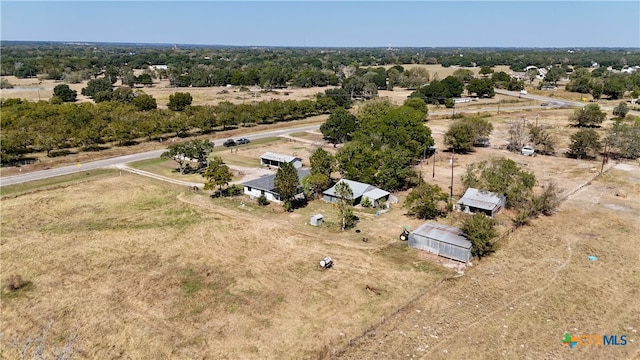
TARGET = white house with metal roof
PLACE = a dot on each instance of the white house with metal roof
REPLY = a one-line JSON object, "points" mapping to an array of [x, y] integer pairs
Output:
{"points": [[275, 160], [442, 240], [360, 191], [486, 202], [265, 185]]}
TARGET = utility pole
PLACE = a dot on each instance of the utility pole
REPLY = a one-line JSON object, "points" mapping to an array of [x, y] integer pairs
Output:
{"points": [[453, 153], [434, 164]]}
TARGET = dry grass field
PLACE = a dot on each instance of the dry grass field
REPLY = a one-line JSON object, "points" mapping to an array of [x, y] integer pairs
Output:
{"points": [[139, 269], [518, 303]]}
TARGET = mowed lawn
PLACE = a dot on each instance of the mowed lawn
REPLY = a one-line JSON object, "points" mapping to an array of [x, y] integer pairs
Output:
{"points": [[540, 284], [136, 268]]}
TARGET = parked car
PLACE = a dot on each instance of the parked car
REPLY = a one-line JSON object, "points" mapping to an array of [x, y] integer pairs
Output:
{"points": [[242, 141], [544, 104], [527, 150], [229, 142]]}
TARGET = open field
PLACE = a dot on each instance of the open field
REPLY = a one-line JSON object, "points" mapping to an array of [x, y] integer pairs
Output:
{"points": [[139, 269], [518, 303]]}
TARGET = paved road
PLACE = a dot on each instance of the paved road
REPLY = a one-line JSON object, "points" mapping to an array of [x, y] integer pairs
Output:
{"points": [[120, 160]]}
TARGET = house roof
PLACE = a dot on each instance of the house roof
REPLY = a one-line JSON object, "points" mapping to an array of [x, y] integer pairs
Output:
{"points": [[444, 233], [267, 182], [375, 194], [279, 157], [359, 189], [481, 199]]}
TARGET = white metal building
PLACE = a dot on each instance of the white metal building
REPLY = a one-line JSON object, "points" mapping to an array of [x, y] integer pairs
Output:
{"points": [[275, 160], [442, 240]]}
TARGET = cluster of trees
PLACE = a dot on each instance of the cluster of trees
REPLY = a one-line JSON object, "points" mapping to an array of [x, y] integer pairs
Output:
{"points": [[601, 81], [382, 142], [29, 127], [540, 137]]}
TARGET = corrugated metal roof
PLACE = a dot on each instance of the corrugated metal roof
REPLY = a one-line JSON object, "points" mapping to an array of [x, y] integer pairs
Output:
{"points": [[444, 233], [375, 194], [278, 157], [357, 188], [267, 182], [480, 199]]}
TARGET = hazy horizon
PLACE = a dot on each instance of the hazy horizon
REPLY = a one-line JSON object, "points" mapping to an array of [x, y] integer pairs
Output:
{"points": [[328, 24]]}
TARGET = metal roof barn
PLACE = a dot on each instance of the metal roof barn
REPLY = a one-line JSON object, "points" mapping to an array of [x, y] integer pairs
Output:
{"points": [[442, 240], [273, 159], [475, 200]]}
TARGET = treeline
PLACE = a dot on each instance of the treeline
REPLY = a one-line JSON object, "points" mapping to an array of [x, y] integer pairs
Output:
{"points": [[54, 128], [601, 81], [275, 67]]}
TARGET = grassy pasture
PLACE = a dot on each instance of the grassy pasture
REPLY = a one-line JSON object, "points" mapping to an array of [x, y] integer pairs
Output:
{"points": [[137, 268]]}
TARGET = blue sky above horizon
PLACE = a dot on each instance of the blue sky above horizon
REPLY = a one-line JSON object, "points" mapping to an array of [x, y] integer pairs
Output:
{"points": [[477, 23]]}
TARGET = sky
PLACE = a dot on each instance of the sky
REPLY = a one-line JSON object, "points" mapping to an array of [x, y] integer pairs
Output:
{"points": [[539, 24]]}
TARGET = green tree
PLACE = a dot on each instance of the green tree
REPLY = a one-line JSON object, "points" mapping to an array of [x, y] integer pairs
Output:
{"points": [[532, 74], [481, 87], [357, 161], [590, 115], [501, 176], [287, 184], [542, 140], [464, 75], [321, 162], [314, 184], [144, 102], [339, 126], [624, 136], [555, 74], [218, 174], [621, 110], [417, 104], [64, 92], [179, 101], [177, 153], [345, 204], [460, 137], [424, 200], [463, 133], [485, 71], [480, 230], [96, 86], [614, 87], [584, 143], [395, 173]]}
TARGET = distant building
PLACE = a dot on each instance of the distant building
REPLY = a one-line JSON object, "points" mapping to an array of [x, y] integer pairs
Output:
{"points": [[485, 202], [265, 185], [276, 160], [360, 191], [442, 240]]}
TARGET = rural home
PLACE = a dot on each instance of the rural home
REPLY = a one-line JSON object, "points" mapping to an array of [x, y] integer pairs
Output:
{"points": [[265, 185], [275, 160], [442, 240], [486, 202], [360, 191]]}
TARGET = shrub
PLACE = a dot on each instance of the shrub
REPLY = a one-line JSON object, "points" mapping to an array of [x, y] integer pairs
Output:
{"points": [[262, 200], [15, 282]]}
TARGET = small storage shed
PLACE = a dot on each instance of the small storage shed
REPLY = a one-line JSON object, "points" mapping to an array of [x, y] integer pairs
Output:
{"points": [[442, 240], [273, 159], [486, 202], [316, 220]]}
